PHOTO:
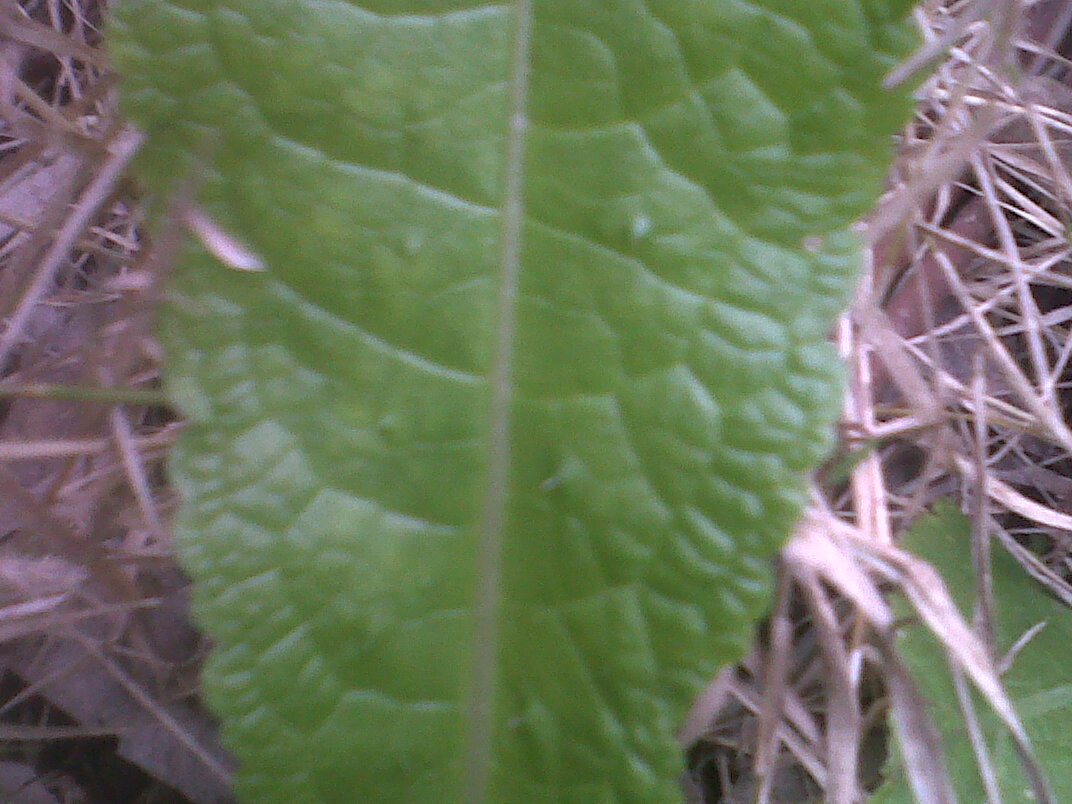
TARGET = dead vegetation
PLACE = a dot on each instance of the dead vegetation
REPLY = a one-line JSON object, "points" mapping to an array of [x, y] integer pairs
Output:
{"points": [[98, 661], [958, 349]]}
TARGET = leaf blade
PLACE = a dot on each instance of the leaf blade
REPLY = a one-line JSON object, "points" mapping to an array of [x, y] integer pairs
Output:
{"points": [[665, 392]]}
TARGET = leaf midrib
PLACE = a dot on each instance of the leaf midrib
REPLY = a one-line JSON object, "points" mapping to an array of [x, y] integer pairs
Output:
{"points": [[481, 711]]}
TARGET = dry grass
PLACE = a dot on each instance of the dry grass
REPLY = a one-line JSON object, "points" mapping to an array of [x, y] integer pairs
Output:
{"points": [[958, 347], [98, 661]]}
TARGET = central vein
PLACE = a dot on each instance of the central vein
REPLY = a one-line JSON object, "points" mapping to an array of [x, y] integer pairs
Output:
{"points": [[481, 714]]}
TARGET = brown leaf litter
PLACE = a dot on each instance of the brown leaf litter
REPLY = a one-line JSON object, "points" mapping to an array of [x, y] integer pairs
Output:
{"points": [[98, 660]]}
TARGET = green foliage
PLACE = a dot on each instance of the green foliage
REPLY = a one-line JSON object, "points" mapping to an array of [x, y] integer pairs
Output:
{"points": [[1039, 682], [482, 474]]}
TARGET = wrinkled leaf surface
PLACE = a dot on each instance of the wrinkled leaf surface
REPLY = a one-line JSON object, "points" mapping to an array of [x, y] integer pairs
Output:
{"points": [[483, 472]]}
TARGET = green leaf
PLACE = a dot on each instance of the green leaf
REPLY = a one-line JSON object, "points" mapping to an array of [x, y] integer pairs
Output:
{"points": [[1039, 681], [483, 473]]}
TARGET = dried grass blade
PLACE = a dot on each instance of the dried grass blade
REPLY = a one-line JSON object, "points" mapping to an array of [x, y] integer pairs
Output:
{"points": [[921, 747], [775, 681], [812, 551], [926, 592], [976, 737], [844, 723]]}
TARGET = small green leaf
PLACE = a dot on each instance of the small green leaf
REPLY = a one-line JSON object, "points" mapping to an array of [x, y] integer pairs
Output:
{"points": [[484, 470], [1039, 681]]}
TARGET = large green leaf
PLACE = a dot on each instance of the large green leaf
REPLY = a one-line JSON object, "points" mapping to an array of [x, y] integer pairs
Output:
{"points": [[1039, 682], [483, 473]]}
